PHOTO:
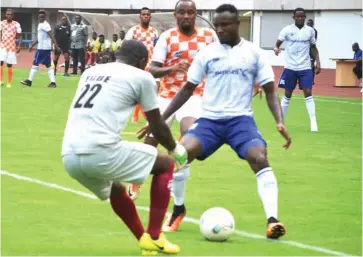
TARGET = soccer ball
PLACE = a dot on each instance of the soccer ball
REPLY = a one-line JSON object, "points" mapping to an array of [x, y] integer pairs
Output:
{"points": [[217, 224]]}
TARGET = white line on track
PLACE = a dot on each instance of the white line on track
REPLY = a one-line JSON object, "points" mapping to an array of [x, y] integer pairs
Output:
{"points": [[186, 219]]}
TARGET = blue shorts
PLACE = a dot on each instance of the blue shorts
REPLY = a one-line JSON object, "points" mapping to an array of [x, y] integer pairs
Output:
{"points": [[289, 79], [240, 133], [42, 57]]}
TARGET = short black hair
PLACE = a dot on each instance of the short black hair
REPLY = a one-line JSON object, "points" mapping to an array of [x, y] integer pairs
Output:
{"points": [[132, 50], [299, 9], [227, 8], [115, 35], [42, 12], [179, 1], [101, 35], [356, 44], [144, 9]]}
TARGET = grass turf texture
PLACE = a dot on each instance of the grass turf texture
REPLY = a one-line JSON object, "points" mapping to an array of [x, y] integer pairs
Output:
{"points": [[319, 183]]}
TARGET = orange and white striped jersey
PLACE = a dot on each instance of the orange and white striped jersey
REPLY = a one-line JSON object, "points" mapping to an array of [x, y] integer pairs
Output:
{"points": [[9, 30], [173, 47], [146, 36]]}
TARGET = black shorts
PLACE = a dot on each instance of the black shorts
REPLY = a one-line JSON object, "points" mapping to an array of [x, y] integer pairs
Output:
{"points": [[64, 48]]}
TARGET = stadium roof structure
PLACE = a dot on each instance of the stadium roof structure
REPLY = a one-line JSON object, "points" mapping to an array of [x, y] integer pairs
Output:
{"points": [[108, 24]]}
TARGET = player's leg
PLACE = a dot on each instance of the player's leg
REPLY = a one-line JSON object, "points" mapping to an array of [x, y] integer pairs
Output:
{"points": [[3, 59], [37, 60], [1, 73], [306, 83], [246, 140], [66, 59], [186, 116], [82, 59], [10, 75], [287, 81], [47, 61], [55, 60], [75, 54]]}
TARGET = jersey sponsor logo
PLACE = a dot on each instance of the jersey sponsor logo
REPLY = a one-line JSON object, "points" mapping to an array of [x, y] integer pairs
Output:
{"points": [[282, 82], [240, 71]]}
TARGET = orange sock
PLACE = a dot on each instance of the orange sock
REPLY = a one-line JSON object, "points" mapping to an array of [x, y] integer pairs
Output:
{"points": [[135, 116], [10, 74], [1, 73]]}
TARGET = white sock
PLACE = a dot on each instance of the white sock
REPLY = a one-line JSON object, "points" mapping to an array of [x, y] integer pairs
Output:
{"points": [[285, 102], [179, 185], [51, 74], [267, 189], [33, 70], [310, 105]]}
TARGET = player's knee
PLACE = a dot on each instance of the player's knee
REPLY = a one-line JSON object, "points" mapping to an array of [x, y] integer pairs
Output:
{"points": [[288, 94], [9, 65]]}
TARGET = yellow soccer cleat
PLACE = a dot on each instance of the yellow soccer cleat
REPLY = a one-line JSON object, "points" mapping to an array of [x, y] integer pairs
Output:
{"points": [[275, 230], [8, 85], [152, 247]]}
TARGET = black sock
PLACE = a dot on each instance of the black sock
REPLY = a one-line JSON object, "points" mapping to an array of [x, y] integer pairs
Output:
{"points": [[178, 209], [66, 67], [272, 220]]}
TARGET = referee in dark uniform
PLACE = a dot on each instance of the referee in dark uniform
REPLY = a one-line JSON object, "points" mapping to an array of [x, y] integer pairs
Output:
{"points": [[62, 34]]}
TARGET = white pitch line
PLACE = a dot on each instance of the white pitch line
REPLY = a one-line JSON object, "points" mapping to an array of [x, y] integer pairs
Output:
{"points": [[186, 219]]}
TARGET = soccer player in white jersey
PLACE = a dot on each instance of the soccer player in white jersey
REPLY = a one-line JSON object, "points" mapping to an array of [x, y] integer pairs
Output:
{"points": [[43, 53], [95, 155], [231, 67], [298, 39]]}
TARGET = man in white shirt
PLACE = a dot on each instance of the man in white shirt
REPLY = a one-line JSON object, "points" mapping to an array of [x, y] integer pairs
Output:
{"points": [[231, 67], [298, 38], [43, 53], [94, 154]]}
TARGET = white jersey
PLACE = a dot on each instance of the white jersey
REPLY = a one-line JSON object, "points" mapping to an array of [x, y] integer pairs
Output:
{"points": [[44, 40], [104, 101], [297, 46], [231, 75]]}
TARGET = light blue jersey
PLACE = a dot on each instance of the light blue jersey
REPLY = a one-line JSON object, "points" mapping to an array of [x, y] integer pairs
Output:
{"points": [[230, 77]]}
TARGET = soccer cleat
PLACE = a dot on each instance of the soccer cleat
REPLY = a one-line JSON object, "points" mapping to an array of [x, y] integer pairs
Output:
{"points": [[26, 82], [52, 85], [275, 229], [2, 83], [8, 85], [173, 221], [313, 126], [152, 247], [134, 191], [66, 74]]}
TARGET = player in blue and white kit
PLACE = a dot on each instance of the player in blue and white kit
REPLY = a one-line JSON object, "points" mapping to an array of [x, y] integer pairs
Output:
{"points": [[43, 53], [298, 39], [231, 67]]}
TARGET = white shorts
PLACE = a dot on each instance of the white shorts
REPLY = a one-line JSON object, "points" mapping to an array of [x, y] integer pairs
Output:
{"points": [[129, 162], [8, 57], [192, 108]]}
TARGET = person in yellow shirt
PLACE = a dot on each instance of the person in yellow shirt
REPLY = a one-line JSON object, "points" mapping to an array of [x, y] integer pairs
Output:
{"points": [[121, 38], [101, 49], [113, 48], [90, 56]]}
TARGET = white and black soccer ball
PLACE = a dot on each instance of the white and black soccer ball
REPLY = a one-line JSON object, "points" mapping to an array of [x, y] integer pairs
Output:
{"points": [[217, 224]]}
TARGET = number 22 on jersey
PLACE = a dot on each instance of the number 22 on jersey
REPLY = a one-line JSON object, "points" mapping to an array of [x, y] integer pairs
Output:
{"points": [[89, 92]]}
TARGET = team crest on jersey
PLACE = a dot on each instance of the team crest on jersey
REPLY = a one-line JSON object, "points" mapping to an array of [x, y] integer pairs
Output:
{"points": [[178, 54]]}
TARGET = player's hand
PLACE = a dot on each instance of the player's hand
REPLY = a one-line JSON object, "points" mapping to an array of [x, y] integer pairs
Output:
{"points": [[18, 49], [145, 130], [257, 91], [277, 51], [180, 155], [182, 66], [317, 68], [30, 48], [281, 128]]}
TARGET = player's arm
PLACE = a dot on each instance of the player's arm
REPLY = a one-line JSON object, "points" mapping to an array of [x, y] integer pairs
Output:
{"points": [[280, 40], [34, 43], [196, 74], [159, 57], [19, 36], [266, 79], [315, 52]]}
